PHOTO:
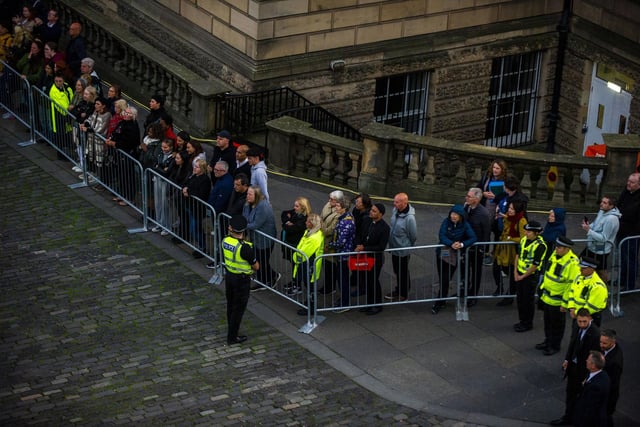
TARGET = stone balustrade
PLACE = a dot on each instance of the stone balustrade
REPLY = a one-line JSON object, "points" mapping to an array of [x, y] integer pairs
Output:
{"points": [[389, 160], [143, 70], [296, 148]]}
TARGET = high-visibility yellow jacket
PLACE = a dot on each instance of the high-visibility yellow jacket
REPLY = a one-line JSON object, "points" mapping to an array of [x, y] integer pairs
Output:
{"points": [[312, 245], [559, 277], [530, 252], [60, 100], [233, 262], [588, 292]]}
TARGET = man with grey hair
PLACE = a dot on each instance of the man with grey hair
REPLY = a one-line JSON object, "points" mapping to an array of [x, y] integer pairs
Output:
{"points": [[87, 67], [220, 195], [480, 220]]}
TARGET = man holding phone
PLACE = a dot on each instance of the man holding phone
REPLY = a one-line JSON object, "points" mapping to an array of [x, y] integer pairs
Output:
{"points": [[601, 234]]}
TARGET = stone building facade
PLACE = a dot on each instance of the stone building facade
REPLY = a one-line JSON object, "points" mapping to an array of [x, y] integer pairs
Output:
{"points": [[480, 71]]}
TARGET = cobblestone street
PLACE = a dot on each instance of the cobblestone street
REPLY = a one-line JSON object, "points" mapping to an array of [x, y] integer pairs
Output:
{"points": [[101, 328]]}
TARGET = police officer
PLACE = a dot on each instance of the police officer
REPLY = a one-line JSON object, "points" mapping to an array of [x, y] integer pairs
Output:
{"points": [[562, 271], [240, 262], [588, 291], [529, 258]]}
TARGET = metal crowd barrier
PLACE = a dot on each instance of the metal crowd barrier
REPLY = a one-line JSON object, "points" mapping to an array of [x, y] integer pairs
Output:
{"points": [[15, 97], [627, 277]]}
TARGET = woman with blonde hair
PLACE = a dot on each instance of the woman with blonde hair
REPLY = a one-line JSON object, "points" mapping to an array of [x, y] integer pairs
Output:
{"points": [[293, 224], [197, 185], [307, 263]]}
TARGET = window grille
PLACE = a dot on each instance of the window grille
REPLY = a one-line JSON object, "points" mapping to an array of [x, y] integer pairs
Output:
{"points": [[401, 100], [512, 100]]}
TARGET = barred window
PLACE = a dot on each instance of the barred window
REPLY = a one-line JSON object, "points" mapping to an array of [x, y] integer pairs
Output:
{"points": [[512, 100], [401, 100]]}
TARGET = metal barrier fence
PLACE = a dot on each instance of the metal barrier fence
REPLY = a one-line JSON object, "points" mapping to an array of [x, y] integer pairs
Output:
{"points": [[15, 98], [195, 223], [627, 278]]}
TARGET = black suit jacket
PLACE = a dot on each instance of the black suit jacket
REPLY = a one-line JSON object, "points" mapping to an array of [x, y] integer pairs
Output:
{"points": [[613, 367], [591, 406], [581, 348]]}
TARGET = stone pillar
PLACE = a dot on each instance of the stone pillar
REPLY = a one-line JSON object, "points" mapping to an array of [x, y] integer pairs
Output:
{"points": [[377, 152], [206, 113], [285, 152], [622, 157]]}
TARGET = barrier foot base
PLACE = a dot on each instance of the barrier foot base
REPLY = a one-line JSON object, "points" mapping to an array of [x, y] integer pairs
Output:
{"points": [[26, 143], [82, 184], [308, 327], [216, 279], [617, 312], [136, 230], [462, 314]]}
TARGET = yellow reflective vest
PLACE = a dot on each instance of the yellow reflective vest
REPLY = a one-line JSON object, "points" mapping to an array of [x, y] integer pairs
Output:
{"points": [[526, 255], [312, 246], [60, 100], [231, 253], [559, 277], [588, 292]]}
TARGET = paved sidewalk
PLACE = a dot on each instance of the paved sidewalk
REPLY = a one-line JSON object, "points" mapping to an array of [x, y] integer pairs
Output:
{"points": [[102, 327]]}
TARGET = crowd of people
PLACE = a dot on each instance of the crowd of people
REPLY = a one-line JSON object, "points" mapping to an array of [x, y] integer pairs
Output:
{"points": [[532, 258]]}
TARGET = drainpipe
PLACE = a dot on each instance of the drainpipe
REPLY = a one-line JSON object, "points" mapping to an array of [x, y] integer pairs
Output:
{"points": [[554, 115]]}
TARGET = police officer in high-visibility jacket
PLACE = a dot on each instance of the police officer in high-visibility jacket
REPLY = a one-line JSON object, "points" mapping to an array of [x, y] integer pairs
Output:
{"points": [[529, 258], [240, 262], [588, 291], [562, 271]]}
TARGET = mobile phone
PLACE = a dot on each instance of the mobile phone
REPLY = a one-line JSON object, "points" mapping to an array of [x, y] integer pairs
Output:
{"points": [[586, 219]]}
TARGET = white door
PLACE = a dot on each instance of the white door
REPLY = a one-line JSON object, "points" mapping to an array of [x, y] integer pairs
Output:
{"points": [[608, 111]]}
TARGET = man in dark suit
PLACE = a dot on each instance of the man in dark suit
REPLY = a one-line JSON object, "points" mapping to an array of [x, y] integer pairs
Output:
{"points": [[585, 337], [613, 367], [591, 406]]}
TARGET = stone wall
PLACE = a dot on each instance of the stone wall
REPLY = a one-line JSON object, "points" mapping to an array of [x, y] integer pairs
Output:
{"points": [[261, 44]]}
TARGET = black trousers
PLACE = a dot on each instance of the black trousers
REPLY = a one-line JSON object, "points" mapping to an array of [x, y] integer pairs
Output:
{"points": [[525, 294], [374, 289], [238, 289], [445, 272], [554, 322], [401, 270], [474, 259]]}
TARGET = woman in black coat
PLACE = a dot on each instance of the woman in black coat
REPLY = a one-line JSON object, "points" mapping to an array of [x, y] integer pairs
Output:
{"points": [[125, 138]]}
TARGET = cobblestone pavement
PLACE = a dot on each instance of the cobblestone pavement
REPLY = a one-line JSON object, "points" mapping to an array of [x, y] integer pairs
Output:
{"points": [[98, 327]]}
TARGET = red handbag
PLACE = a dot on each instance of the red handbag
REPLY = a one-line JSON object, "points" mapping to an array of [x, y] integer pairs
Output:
{"points": [[361, 262]]}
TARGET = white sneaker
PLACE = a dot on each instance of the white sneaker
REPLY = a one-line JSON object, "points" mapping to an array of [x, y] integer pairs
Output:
{"points": [[341, 310], [76, 169], [7, 115], [156, 229], [164, 233]]}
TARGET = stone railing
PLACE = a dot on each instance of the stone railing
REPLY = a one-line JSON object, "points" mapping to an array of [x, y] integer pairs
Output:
{"points": [[142, 70], [389, 160], [298, 149]]}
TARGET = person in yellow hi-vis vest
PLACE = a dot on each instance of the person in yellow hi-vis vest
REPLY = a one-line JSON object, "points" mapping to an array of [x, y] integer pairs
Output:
{"points": [[307, 267], [240, 262], [529, 258], [60, 95], [562, 271], [588, 291]]}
